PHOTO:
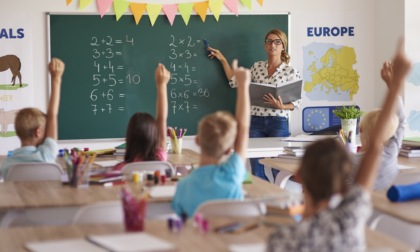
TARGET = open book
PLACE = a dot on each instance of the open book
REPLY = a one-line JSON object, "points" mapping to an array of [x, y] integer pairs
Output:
{"points": [[289, 92]]}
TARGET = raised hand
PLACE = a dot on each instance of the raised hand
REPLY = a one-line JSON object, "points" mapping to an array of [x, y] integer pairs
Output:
{"points": [[162, 75]]}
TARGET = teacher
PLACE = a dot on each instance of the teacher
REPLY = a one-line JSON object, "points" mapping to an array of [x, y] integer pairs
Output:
{"points": [[267, 122]]}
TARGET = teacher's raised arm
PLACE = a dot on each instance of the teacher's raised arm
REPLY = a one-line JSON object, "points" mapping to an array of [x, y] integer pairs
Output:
{"points": [[267, 122]]}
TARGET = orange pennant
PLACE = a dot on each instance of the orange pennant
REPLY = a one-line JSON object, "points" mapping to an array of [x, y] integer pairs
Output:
{"points": [[201, 9], [68, 2], [261, 2], [137, 9]]}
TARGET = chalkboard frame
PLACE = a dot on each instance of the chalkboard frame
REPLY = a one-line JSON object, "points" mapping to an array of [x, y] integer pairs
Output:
{"points": [[145, 19]]}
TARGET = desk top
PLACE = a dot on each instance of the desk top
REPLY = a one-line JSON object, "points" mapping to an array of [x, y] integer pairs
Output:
{"points": [[14, 239], [39, 194]]}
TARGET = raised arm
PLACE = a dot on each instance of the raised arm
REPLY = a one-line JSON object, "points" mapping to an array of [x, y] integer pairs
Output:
{"points": [[368, 167], [56, 68], [214, 53], [243, 78], [162, 76]]}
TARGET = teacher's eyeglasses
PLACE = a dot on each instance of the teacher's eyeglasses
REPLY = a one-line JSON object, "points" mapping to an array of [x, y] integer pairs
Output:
{"points": [[275, 41]]}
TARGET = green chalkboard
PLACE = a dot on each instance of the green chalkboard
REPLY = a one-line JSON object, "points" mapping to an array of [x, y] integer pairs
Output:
{"points": [[110, 67]]}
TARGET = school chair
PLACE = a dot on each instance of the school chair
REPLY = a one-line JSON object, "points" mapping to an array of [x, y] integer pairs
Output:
{"points": [[232, 208], [102, 212], [149, 166], [34, 172]]}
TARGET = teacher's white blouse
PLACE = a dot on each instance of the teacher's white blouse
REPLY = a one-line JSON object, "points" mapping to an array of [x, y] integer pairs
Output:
{"points": [[282, 74]]}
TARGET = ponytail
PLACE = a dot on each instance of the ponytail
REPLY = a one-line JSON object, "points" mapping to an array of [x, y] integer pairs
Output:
{"points": [[285, 57]]}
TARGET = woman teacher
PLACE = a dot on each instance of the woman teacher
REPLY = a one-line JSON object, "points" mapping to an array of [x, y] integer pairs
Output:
{"points": [[267, 122]]}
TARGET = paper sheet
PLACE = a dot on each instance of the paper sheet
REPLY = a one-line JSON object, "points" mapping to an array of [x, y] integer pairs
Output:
{"points": [[79, 245]]}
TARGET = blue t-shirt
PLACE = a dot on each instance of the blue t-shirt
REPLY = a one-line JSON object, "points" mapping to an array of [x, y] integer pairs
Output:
{"points": [[46, 152], [210, 182]]}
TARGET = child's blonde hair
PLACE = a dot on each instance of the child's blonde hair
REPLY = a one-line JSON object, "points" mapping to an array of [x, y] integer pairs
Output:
{"points": [[27, 121], [217, 133], [369, 121]]}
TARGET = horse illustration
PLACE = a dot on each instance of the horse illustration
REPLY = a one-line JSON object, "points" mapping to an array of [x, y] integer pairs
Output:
{"points": [[12, 62]]}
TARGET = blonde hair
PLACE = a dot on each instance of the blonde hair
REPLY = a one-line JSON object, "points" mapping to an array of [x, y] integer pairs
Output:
{"points": [[27, 121], [217, 133], [367, 126], [285, 57]]}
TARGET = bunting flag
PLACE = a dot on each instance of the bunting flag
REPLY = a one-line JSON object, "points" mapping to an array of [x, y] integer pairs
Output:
{"points": [[232, 5], [185, 10], [216, 7], [120, 6], [153, 10], [170, 12], [247, 3], [103, 6], [137, 9], [84, 3], [201, 9]]}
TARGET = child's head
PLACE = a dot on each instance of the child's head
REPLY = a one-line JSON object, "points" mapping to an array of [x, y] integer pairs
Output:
{"points": [[30, 124], [324, 170], [141, 138], [367, 127], [217, 133]]}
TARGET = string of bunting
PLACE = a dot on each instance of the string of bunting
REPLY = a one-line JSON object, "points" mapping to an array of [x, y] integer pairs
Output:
{"points": [[170, 10]]}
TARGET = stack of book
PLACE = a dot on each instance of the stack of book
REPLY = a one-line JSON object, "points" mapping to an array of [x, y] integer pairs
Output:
{"points": [[296, 151], [410, 147], [120, 150]]}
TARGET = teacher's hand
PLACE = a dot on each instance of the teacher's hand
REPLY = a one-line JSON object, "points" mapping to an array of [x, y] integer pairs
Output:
{"points": [[214, 53], [277, 103]]}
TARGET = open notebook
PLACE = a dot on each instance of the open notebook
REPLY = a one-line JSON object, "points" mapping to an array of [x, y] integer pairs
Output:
{"points": [[79, 245]]}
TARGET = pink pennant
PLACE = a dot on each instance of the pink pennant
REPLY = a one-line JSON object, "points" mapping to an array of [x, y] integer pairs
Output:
{"points": [[170, 12], [103, 6], [232, 5]]}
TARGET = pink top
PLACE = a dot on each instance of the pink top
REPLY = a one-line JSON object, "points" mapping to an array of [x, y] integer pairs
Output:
{"points": [[161, 155]]}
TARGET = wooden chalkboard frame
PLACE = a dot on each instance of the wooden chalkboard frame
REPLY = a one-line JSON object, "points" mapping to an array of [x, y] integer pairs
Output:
{"points": [[145, 19]]}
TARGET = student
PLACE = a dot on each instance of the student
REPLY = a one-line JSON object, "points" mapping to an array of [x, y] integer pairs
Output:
{"points": [[388, 169], [328, 226], [38, 132], [217, 134], [146, 136]]}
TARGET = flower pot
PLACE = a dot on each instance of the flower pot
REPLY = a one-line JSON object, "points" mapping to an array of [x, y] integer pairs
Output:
{"points": [[349, 125]]}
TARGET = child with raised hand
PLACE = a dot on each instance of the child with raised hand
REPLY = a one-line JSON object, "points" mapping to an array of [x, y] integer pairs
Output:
{"points": [[217, 177], [146, 136], [328, 225], [394, 131], [38, 132]]}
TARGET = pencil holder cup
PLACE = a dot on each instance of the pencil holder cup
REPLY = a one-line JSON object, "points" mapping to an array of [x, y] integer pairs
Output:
{"points": [[134, 211], [176, 145], [349, 125], [80, 179]]}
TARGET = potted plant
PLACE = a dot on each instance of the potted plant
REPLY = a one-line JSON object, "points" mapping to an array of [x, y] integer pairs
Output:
{"points": [[348, 116]]}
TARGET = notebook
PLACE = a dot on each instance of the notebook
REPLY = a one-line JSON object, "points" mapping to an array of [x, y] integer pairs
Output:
{"points": [[162, 191], [79, 245], [289, 92], [138, 242], [248, 247]]}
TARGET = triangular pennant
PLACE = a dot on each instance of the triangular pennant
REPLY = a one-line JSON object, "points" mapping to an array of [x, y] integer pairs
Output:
{"points": [[84, 3], [170, 12], [185, 9], [232, 5], [153, 10], [103, 6], [201, 9], [216, 7], [120, 6], [137, 9], [247, 3], [261, 2], [68, 2]]}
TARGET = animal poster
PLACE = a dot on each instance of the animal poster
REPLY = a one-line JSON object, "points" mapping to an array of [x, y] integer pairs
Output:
{"points": [[16, 76]]}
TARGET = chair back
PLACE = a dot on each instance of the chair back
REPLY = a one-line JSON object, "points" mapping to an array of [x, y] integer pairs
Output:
{"points": [[34, 172], [232, 208], [101, 212], [148, 166]]}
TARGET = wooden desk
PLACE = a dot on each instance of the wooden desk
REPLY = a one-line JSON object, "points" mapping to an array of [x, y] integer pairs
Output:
{"points": [[14, 239], [43, 194]]}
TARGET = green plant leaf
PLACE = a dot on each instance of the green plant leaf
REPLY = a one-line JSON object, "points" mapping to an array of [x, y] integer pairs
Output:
{"points": [[348, 112]]}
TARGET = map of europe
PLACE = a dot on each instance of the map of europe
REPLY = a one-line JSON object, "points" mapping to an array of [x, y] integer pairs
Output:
{"points": [[328, 72]]}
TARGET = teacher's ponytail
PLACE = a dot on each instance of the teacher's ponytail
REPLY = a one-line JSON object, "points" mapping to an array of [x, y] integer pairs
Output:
{"points": [[285, 57]]}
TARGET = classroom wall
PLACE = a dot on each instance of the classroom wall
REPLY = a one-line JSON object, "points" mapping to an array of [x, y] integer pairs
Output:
{"points": [[372, 14]]}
